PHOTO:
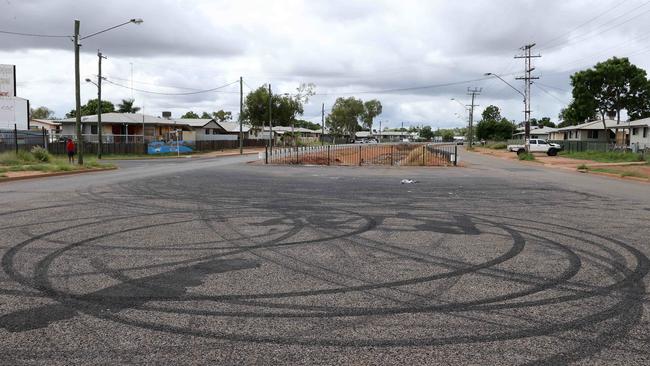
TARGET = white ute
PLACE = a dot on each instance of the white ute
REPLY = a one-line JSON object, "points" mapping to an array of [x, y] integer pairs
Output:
{"points": [[537, 146]]}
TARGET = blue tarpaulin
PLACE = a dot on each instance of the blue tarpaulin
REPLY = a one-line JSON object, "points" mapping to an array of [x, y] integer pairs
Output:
{"points": [[168, 147]]}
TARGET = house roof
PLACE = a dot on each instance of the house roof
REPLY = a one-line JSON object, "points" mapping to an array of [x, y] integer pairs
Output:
{"points": [[233, 126], [114, 117], [593, 125], [46, 121], [539, 131], [193, 122], [283, 129], [645, 122]]}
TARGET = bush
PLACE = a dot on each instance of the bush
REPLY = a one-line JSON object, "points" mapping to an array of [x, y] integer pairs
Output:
{"points": [[9, 158], [526, 156], [41, 154], [25, 156], [583, 167], [497, 146]]}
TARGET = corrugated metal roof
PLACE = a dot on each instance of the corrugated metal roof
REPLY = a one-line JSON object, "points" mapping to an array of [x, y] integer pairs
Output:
{"points": [[593, 125], [114, 117]]}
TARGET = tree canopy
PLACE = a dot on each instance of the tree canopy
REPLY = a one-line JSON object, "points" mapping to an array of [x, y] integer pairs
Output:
{"points": [[372, 109], [426, 133], [492, 126], [345, 116], [127, 106], [42, 113], [90, 108], [542, 122], [285, 108], [607, 89], [191, 115]]}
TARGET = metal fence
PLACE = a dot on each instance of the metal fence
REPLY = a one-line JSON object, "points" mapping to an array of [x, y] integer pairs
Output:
{"points": [[404, 154], [13, 140], [214, 145]]}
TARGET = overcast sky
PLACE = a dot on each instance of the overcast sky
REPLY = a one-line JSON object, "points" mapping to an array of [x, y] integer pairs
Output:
{"points": [[346, 47]]}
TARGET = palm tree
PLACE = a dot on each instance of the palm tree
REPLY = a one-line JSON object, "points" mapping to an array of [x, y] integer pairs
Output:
{"points": [[127, 106]]}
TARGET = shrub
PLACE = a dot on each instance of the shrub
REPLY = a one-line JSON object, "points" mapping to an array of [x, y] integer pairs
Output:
{"points": [[526, 156], [498, 146], [41, 154], [583, 167], [25, 156], [9, 158]]}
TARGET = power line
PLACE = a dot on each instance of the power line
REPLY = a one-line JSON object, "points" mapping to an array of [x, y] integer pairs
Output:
{"points": [[607, 11], [215, 90], [550, 94], [432, 86], [588, 35], [154, 84], [33, 34]]}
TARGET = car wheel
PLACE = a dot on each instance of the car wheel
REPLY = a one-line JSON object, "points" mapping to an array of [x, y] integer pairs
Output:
{"points": [[521, 151], [551, 152]]}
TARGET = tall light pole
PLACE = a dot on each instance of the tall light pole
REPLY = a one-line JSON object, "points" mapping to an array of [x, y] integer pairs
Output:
{"points": [[77, 79], [99, 113], [270, 122], [526, 113], [469, 115]]}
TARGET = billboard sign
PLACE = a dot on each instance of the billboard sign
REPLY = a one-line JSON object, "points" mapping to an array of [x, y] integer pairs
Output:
{"points": [[7, 80], [14, 111]]}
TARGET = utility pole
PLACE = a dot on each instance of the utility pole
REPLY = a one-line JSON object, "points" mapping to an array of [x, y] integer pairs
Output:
{"points": [[379, 130], [322, 122], [99, 105], [77, 90], [473, 93], [241, 111], [270, 122], [528, 81]]}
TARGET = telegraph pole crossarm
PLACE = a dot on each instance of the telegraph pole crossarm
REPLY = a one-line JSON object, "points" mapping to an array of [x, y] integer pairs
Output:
{"points": [[528, 81]]}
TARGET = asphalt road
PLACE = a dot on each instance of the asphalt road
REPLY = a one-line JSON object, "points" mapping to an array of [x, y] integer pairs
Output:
{"points": [[219, 262]]}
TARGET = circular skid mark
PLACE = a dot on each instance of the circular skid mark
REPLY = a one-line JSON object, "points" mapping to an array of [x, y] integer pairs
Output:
{"points": [[454, 274]]}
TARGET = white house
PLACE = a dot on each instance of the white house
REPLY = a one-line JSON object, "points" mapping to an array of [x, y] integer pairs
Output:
{"points": [[639, 133], [593, 131], [535, 133]]}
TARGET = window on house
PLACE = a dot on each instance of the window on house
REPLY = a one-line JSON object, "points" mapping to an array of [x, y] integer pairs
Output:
{"points": [[215, 132], [93, 129], [592, 134], [645, 132], [207, 131], [635, 131]]}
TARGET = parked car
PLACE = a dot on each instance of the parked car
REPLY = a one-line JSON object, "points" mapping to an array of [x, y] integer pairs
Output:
{"points": [[537, 146]]}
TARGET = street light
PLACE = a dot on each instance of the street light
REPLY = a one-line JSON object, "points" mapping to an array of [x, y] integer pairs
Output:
{"points": [[77, 78], [526, 122], [510, 85]]}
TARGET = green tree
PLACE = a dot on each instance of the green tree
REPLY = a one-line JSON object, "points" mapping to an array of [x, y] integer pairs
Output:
{"points": [[576, 113], [610, 87], [190, 115], [306, 124], [543, 122], [491, 112], [447, 135], [127, 106], [372, 109], [42, 113], [222, 116], [90, 108], [426, 133], [345, 116]]}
